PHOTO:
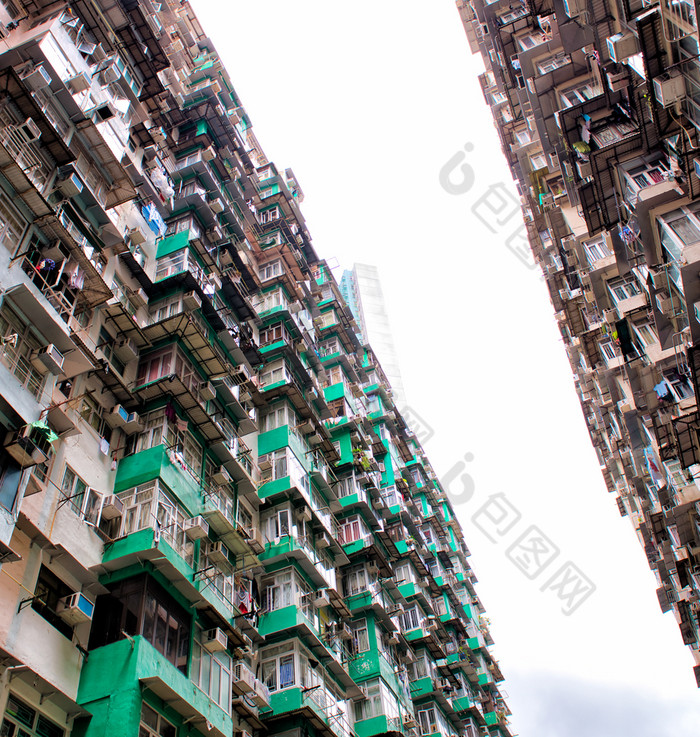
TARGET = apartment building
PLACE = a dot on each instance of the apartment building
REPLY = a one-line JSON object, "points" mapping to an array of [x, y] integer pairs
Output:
{"points": [[213, 519], [596, 107], [361, 288]]}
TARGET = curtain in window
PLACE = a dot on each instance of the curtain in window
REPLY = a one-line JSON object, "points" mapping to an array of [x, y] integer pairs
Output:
{"points": [[286, 671]]}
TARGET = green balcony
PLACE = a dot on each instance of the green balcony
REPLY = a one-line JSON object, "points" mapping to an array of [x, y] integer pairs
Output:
{"points": [[115, 677], [297, 707], [422, 687]]}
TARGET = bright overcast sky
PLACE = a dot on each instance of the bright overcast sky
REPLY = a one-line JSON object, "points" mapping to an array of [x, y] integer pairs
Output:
{"points": [[368, 101]]}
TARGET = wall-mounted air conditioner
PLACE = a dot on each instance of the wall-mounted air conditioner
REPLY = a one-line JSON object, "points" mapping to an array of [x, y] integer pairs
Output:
{"points": [[126, 349], [669, 88], [75, 609], [37, 79], [621, 46], [215, 640], [196, 528], [49, 358], [112, 507]]}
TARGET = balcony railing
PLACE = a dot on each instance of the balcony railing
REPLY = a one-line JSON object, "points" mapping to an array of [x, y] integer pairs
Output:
{"points": [[16, 359]]}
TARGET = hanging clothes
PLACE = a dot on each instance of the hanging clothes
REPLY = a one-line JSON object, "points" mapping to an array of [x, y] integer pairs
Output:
{"points": [[170, 414]]}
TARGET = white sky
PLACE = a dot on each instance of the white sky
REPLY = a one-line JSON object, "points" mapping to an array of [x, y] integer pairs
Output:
{"points": [[367, 101]]}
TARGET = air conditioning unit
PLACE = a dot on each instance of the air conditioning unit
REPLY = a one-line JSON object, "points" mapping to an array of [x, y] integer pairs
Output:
{"points": [[345, 632], [264, 463], [221, 477], [304, 514], [321, 598], [243, 679], [209, 153], [207, 391], [49, 358], [79, 83], [191, 301], [216, 205], [37, 79], [246, 644], [71, 186], [120, 417], [196, 528], [261, 694], [215, 640], [28, 131], [619, 81], [219, 555], [669, 88], [75, 609], [136, 236], [27, 446], [138, 297], [110, 74], [126, 349], [621, 46], [373, 569], [133, 424], [158, 135], [323, 541], [394, 640], [409, 722], [112, 507], [664, 303]]}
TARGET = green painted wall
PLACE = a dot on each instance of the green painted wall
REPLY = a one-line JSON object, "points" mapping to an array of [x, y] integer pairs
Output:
{"points": [[110, 688]]}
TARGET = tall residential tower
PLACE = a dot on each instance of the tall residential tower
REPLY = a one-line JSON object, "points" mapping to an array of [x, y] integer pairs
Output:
{"points": [[597, 106], [214, 522]]}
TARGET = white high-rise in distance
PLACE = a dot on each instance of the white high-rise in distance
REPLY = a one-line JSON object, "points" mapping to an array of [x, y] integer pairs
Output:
{"points": [[362, 290]]}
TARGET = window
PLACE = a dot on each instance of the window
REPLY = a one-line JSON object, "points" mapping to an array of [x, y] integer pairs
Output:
{"points": [[372, 705], [645, 333], [278, 592], [277, 525], [427, 721], [21, 720], [139, 606], [48, 590], [278, 416], [355, 581], [10, 476], [411, 619], [83, 500], [270, 270], [596, 250], [154, 725], [270, 300], [160, 430], [360, 636], [12, 224], [211, 672], [350, 530], [274, 373], [267, 216], [531, 40], [523, 136], [16, 353], [579, 93], [607, 350], [326, 319], [551, 63], [623, 288], [105, 343], [278, 671], [538, 161], [272, 333]]}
